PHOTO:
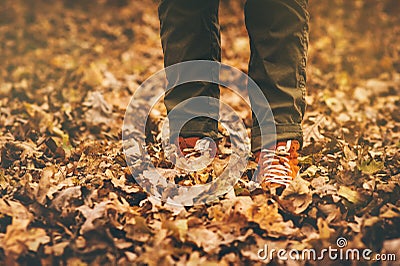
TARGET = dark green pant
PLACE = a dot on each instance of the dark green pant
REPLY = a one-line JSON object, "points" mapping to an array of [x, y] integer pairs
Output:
{"points": [[278, 33]]}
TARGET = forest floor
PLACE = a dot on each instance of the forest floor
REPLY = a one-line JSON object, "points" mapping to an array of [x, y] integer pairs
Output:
{"points": [[68, 71]]}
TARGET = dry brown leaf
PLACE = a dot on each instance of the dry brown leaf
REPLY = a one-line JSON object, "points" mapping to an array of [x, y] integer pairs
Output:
{"points": [[45, 183], [21, 216], [18, 240], [137, 229], [56, 249], [91, 215], [178, 228], [297, 196], [268, 218], [204, 238]]}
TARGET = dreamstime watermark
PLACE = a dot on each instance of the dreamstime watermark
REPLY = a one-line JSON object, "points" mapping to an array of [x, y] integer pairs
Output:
{"points": [[152, 90], [340, 252]]}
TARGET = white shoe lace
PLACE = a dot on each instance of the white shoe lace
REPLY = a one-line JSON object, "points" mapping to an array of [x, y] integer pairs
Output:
{"points": [[274, 170]]}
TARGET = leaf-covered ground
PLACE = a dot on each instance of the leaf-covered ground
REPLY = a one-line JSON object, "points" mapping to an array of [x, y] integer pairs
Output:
{"points": [[68, 70]]}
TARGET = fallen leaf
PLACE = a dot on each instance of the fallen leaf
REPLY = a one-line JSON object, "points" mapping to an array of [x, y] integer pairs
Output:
{"points": [[204, 238], [349, 194], [296, 197], [269, 219], [371, 167]]}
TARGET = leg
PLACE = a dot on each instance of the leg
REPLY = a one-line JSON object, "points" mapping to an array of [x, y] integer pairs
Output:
{"points": [[278, 31], [189, 30]]}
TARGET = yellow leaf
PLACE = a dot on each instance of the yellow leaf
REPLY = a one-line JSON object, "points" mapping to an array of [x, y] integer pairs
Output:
{"points": [[349, 194], [93, 76], [63, 61], [324, 230], [370, 167]]}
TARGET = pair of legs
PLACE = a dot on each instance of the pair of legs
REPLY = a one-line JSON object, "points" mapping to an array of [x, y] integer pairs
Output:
{"points": [[278, 34]]}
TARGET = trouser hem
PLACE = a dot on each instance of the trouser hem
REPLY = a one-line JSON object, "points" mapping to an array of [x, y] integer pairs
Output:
{"points": [[284, 132], [195, 128]]}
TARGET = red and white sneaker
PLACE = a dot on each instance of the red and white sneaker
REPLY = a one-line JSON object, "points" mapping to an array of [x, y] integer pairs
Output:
{"points": [[278, 166], [195, 145], [194, 153]]}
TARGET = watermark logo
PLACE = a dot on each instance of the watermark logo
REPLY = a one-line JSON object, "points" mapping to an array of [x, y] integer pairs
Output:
{"points": [[340, 252], [151, 91], [341, 242]]}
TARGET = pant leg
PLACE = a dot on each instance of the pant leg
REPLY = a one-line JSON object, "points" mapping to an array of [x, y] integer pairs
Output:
{"points": [[189, 30], [278, 32]]}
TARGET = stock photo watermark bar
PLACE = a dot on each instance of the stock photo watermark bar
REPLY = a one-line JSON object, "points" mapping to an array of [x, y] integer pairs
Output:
{"points": [[337, 253]]}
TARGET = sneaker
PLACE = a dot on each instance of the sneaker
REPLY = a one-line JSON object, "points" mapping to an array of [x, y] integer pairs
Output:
{"points": [[278, 166], [194, 146], [186, 145]]}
